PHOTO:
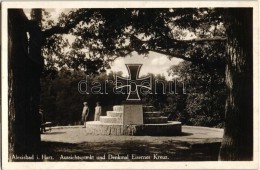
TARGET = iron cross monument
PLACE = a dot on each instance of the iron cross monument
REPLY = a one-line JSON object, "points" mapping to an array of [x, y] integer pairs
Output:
{"points": [[133, 108], [133, 82]]}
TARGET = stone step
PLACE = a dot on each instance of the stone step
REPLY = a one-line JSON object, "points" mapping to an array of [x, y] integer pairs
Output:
{"points": [[153, 114], [114, 114], [148, 108], [118, 108], [155, 120], [106, 119]]}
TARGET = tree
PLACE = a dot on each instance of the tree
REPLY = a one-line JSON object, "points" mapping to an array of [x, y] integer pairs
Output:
{"points": [[228, 27], [165, 31], [62, 101], [25, 65], [204, 103], [238, 135], [134, 31]]}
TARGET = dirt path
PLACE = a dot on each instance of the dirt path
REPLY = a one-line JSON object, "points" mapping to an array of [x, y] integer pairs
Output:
{"points": [[195, 144]]}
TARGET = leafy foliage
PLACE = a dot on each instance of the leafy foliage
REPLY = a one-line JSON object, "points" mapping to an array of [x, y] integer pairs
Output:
{"points": [[97, 38], [62, 102], [94, 38], [206, 94]]}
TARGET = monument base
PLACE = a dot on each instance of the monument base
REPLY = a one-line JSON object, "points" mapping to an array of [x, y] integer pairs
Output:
{"points": [[133, 113], [171, 128]]}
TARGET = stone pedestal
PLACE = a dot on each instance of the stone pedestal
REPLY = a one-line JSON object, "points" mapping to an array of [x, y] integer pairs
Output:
{"points": [[132, 118], [133, 113], [166, 129]]}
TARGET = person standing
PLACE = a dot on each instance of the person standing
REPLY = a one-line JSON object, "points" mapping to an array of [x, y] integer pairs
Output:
{"points": [[85, 113], [97, 112]]}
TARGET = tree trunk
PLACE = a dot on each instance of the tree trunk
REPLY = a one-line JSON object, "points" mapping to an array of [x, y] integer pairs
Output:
{"points": [[24, 69], [237, 142]]}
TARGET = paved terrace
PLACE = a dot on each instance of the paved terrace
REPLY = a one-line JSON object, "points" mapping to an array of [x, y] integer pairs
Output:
{"points": [[195, 144]]}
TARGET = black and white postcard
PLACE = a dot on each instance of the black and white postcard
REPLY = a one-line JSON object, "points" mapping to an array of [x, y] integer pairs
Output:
{"points": [[130, 85]]}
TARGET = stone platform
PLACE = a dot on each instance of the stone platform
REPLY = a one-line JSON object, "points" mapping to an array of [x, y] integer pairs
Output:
{"points": [[170, 128], [147, 122]]}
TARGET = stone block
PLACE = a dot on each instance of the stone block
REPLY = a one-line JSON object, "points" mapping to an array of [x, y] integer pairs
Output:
{"points": [[118, 108], [114, 114], [106, 119], [167, 129], [148, 108], [133, 114], [155, 120], [152, 114]]}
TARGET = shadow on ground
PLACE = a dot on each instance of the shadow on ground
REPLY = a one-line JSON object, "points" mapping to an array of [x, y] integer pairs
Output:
{"points": [[171, 150], [53, 133]]}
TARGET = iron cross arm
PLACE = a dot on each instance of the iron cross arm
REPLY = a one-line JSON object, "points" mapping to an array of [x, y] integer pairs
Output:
{"points": [[133, 82]]}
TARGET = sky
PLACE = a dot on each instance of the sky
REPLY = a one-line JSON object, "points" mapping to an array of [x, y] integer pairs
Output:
{"points": [[153, 63]]}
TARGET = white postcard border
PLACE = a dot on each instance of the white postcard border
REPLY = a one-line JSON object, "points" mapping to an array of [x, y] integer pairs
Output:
{"points": [[127, 165]]}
